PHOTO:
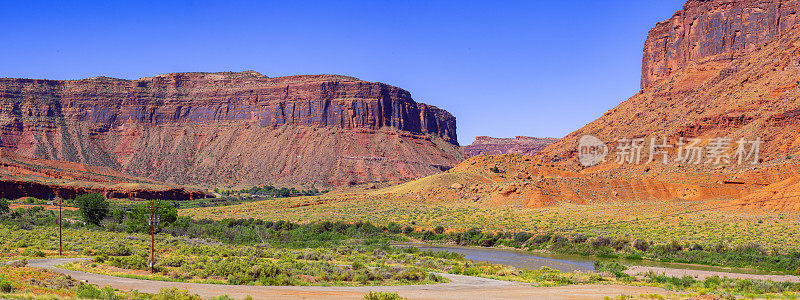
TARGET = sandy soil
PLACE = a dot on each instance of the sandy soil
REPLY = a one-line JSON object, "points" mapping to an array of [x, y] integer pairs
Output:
{"points": [[699, 274], [459, 287]]}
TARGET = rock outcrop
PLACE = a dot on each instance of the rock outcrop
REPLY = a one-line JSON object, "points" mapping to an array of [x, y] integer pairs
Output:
{"points": [[47, 179], [752, 94], [485, 145], [713, 30], [716, 70], [231, 129]]}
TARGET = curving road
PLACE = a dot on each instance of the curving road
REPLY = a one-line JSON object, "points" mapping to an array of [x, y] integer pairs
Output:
{"points": [[459, 287]]}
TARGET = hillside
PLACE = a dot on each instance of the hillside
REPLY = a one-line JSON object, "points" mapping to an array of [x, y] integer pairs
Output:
{"points": [[705, 87], [716, 69], [231, 129]]}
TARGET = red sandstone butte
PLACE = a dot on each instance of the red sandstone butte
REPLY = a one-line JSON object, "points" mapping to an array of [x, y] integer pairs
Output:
{"points": [[231, 129], [715, 69], [713, 29]]}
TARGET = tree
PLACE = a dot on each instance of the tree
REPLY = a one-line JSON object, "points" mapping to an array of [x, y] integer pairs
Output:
{"points": [[93, 207], [4, 206], [439, 229]]}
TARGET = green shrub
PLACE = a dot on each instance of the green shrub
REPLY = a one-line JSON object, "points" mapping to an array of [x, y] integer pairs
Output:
{"points": [[33, 252], [615, 268], [383, 296], [408, 230], [410, 275], [88, 291], [6, 286], [619, 244], [4, 206], [641, 245], [175, 294], [394, 228]]}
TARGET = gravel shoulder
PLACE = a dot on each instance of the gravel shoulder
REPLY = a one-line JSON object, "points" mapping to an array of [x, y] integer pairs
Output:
{"points": [[459, 287]]}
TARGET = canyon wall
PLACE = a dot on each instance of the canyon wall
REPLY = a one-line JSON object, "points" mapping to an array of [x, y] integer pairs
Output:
{"points": [[230, 129], [713, 30], [716, 69]]}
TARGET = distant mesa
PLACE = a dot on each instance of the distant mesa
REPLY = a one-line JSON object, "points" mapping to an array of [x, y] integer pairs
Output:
{"points": [[485, 145], [231, 129]]}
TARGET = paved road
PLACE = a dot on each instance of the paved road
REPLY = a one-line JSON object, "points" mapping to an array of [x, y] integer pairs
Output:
{"points": [[459, 287]]}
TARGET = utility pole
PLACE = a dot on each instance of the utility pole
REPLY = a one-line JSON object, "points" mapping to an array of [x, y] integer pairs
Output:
{"points": [[60, 248], [152, 238], [152, 220]]}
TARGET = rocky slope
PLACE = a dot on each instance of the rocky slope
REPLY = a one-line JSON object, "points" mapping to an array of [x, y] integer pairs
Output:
{"points": [[484, 145], [749, 95], [231, 129], [46, 179], [716, 69]]}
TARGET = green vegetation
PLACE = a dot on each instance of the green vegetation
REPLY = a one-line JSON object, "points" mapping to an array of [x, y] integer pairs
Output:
{"points": [[94, 208], [279, 252], [4, 206], [743, 256], [271, 191], [230, 251], [383, 296], [760, 240]]}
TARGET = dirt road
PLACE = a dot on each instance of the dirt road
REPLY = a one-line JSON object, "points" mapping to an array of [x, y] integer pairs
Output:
{"points": [[459, 287]]}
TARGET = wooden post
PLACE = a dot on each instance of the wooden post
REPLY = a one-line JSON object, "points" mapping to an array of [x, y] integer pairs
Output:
{"points": [[60, 247], [152, 236]]}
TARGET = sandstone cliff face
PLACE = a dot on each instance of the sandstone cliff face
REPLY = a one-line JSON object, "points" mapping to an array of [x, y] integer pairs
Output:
{"points": [[230, 128], [752, 94], [701, 92], [713, 30], [485, 145]]}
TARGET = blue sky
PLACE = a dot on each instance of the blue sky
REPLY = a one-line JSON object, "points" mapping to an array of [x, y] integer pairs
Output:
{"points": [[503, 68]]}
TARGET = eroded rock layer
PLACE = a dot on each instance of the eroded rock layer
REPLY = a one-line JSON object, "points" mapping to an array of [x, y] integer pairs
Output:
{"points": [[47, 179], [230, 129], [713, 29], [485, 145], [716, 70]]}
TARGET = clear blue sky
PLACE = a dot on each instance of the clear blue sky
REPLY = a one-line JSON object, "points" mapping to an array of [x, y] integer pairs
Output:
{"points": [[503, 68]]}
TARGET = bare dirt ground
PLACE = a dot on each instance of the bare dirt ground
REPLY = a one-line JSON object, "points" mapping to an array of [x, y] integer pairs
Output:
{"points": [[459, 287], [702, 275]]}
